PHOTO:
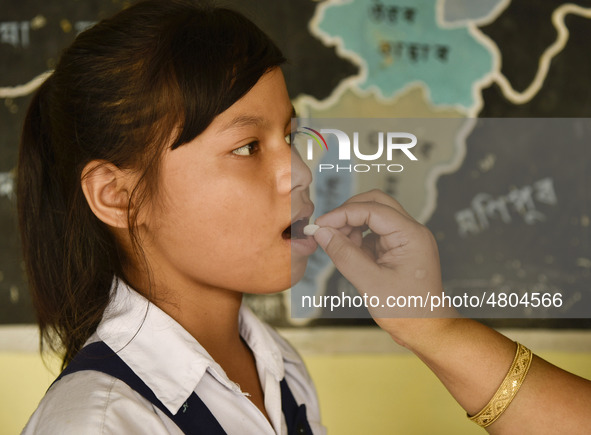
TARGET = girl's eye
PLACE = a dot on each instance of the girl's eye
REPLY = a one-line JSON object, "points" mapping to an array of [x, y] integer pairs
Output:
{"points": [[288, 138], [246, 150]]}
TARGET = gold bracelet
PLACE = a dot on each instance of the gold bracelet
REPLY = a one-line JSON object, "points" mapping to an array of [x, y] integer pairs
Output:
{"points": [[508, 389]]}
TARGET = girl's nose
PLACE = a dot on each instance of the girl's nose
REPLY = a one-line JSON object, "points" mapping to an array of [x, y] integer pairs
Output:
{"points": [[294, 174], [301, 176]]}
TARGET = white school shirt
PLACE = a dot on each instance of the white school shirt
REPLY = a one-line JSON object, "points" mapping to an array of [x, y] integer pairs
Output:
{"points": [[173, 364]]}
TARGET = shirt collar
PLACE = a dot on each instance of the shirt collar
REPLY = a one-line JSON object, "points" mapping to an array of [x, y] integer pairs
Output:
{"points": [[169, 359]]}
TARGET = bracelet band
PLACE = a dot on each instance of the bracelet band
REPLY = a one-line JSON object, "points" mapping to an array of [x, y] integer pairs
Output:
{"points": [[507, 390]]}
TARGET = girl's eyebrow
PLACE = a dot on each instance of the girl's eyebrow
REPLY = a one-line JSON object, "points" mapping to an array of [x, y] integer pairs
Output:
{"points": [[244, 121], [249, 120]]}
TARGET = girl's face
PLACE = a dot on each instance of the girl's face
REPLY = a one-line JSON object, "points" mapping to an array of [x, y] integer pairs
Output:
{"points": [[226, 198]]}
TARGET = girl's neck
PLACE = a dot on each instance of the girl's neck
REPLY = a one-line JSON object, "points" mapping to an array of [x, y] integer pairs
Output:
{"points": [[209, 315]]}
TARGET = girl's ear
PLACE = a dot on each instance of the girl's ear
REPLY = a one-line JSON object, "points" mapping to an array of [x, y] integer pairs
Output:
{"points": [[107, 189]]}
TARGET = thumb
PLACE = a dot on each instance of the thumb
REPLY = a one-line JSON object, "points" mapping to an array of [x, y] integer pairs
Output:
{"points": [[323, 236], [349, 259]]}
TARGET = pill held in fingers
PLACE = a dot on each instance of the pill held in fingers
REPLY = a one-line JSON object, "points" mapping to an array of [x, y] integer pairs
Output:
{"points": [[310, 230]]}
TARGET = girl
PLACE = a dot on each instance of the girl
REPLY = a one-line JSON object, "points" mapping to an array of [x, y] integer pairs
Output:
{"points": [[155, 187]]}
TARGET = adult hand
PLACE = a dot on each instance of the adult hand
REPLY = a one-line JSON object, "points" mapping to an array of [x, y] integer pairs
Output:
{"points": [[397, 261]]}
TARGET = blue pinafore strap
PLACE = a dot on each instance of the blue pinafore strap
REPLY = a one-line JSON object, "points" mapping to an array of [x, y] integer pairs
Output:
{"points": [[194, 418]]}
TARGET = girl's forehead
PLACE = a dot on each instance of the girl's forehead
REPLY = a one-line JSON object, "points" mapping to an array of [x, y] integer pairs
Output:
{"points": [[266, 104]]}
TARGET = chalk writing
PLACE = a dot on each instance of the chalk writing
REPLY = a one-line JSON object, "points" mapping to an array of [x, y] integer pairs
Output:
{"points": [[414, 51], [18, 33], [15, 33], [484, 207], [379, 12]]}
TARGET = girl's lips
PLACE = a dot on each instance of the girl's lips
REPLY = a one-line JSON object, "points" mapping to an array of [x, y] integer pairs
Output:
{"points": [[303, 247], [300, 244]]}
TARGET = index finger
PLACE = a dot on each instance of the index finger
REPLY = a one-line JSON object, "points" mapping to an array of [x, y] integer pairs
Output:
{"points": [[380, 218], [381, 197]]}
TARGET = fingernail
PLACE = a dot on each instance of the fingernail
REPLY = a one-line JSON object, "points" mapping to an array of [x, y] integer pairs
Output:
{"points": [[323, 237]]}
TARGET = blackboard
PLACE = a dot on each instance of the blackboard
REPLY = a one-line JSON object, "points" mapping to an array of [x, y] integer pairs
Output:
{"points": [[330, 74]]}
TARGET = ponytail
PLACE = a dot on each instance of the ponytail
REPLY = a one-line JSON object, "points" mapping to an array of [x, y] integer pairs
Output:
{"points": [[70, 257]]}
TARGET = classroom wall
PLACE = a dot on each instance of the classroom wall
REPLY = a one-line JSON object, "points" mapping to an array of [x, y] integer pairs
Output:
{"points": [[383, 390]]}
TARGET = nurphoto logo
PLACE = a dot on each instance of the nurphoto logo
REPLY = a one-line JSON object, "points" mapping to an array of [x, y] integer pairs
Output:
{"points": [[387, 143]]}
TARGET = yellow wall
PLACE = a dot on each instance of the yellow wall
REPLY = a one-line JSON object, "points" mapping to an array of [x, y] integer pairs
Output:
{"points": [[359, 393], [397, 394]]}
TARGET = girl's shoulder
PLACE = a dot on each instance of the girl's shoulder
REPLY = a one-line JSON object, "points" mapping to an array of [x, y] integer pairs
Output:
{"points": [[91, 402]]}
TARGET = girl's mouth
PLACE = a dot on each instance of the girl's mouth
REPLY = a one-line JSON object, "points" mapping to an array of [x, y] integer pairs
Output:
{"points": [[296, 230]]}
